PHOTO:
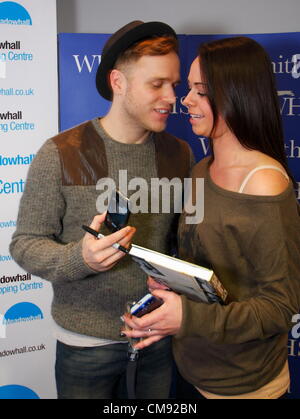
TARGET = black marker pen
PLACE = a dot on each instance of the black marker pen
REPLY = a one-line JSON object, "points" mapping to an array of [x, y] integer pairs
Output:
{"points": [[100, 236]]}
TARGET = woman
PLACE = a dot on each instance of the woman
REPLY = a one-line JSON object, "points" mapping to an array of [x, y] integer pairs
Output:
{"points": [[250, 235]]}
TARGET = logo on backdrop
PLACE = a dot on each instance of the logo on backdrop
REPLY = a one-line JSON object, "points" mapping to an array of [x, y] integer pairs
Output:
{"points": [[2, 327], [295, 332], [294, 343], [12, 13], [12, 56], [14, 187], [18, 283], [5, 258], [287, 66], [87, 63], [292, 150], [8, 224], [12, 121], [289, 103], [296, 67], [15, 278], [22, 312], [17, 160], [17, 392]]}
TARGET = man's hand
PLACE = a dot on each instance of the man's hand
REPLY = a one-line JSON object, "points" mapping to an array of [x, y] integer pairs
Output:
{"points": [[99, 254]]}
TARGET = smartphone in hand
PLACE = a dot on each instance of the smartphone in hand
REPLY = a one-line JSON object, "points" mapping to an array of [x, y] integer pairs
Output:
{"points": [[118, 212], [145, 305]]}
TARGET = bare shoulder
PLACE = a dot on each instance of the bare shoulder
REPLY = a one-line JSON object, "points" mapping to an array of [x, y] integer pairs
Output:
{"points": [[266, 182]]}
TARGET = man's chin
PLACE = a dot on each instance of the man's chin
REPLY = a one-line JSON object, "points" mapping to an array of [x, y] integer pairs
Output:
{"points": [[158, 127]]}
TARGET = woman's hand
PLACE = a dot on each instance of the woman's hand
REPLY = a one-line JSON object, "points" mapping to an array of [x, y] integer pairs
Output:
{"points": [[154, 284], [165, 320]]}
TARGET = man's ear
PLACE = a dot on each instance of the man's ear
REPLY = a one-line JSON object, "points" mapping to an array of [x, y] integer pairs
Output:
{"points": [[117, 81]]}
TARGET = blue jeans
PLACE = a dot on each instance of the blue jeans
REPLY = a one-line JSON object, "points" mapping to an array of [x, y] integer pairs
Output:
{"points": [[100, 372]]}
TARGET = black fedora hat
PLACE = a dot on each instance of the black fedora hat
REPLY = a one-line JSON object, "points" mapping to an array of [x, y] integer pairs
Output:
{"points": [[119, 42]]}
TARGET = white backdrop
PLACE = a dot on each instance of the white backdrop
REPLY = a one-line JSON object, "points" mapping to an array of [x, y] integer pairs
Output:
{"points": [[28, 116]]}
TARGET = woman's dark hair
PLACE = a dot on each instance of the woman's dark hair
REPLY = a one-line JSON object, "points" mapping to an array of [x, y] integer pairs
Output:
{"points": [[241, 88]]}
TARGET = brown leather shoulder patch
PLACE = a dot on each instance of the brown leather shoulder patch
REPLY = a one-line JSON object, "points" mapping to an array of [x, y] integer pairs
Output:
{"points": [[82, 155], [172, 156]]}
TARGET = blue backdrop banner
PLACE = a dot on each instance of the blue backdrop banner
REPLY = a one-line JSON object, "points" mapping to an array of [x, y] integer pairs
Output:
{"points": [[80, 55]]}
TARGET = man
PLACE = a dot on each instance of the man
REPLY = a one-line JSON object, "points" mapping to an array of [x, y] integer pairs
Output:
{"points": [[138, 72]]}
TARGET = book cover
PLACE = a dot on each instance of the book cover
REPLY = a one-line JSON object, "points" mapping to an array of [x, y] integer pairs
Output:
{"points": [[196, 282]]}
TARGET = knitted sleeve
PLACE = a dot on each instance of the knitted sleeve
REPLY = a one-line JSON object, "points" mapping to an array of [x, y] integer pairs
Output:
{"points": [[273, 251], [35, 245]]}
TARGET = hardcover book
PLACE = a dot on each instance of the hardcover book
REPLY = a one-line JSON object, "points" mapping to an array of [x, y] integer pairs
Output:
{"points": [[196, 282]]}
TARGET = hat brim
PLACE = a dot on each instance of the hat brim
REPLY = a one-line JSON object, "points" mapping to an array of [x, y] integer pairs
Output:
{"points": [[143, 31]]}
